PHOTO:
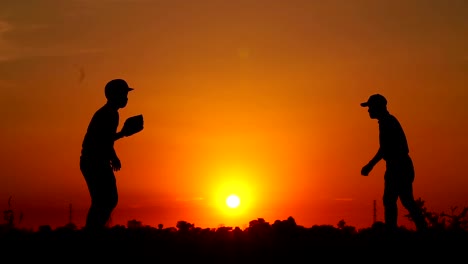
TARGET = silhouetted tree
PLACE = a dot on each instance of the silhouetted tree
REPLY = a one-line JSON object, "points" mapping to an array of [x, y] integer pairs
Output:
{"points": [[440, 221], [20, 218], [259, 243], [223, 233], [71, 226], [184, 226], [259, 229], [341, 224], [346, 229], [435, 220], [457, 221], [45, 229], [8, 214], [134, 224]]}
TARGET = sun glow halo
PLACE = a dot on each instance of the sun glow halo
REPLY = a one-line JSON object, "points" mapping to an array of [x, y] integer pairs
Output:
{"points": [[233, 198]]}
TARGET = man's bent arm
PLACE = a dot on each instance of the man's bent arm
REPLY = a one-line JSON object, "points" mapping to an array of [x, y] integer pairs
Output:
{"points": [[378, 156], [114, 154], [118, 135]]}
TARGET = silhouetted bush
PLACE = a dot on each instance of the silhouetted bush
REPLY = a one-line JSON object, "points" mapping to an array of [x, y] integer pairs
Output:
{"points": [[260, 242]]}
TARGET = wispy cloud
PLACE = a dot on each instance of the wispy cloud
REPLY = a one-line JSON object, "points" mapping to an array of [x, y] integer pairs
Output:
{"points": [[12, 49], [189, 199], [4, 27], [16, 53], [344, 199], [6, 84], [465, 59], [5, 48], [110, 1]]}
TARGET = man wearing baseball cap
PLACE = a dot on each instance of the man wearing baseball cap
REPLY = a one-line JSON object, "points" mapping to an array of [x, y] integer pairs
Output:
{"points": [[98, 159], [399, 173]]}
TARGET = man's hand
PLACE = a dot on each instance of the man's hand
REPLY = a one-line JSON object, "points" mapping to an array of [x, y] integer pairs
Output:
{"points": [[115, 164], [132, 125], [366, 169]]}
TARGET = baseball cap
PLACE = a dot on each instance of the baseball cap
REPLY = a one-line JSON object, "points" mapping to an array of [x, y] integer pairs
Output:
{"points": [[375, 100], [116, 86]]}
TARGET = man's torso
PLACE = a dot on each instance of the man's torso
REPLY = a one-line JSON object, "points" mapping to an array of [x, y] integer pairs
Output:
{"points": [[98, 143]]}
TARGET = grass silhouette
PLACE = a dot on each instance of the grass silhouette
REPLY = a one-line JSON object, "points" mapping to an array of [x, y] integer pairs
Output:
{"points": [[260, 242]]}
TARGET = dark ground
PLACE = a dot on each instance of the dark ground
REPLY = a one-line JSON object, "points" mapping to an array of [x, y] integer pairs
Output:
{"points": [[260, 243]]}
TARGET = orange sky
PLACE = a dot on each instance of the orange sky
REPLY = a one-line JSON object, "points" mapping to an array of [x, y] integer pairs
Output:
{"points": [[258, 98]]}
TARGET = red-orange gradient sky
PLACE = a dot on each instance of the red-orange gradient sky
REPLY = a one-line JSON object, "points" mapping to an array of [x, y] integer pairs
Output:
{"points": [[258, 98]]}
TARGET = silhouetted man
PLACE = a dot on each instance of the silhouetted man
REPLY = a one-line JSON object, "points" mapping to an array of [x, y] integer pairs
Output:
{"points": [[98, 159], [399, 173]]}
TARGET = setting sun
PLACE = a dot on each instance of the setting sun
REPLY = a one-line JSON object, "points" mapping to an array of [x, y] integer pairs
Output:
{"points": [[233, 201], [233, 195]]}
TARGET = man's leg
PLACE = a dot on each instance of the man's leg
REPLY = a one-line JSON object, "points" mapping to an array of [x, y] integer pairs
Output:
{"points": [[390, 198], [103, 191], [407, 200]]}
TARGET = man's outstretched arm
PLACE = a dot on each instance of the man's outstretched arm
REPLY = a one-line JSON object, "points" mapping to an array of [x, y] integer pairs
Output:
{"points": [[369, 166]]}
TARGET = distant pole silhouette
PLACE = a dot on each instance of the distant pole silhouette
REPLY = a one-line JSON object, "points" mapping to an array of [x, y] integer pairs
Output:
{"points": [[375, 212], [8, 215], [70, 214]]}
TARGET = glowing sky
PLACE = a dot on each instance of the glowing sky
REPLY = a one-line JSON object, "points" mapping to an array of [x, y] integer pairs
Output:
{"points": [[259, 98]]}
